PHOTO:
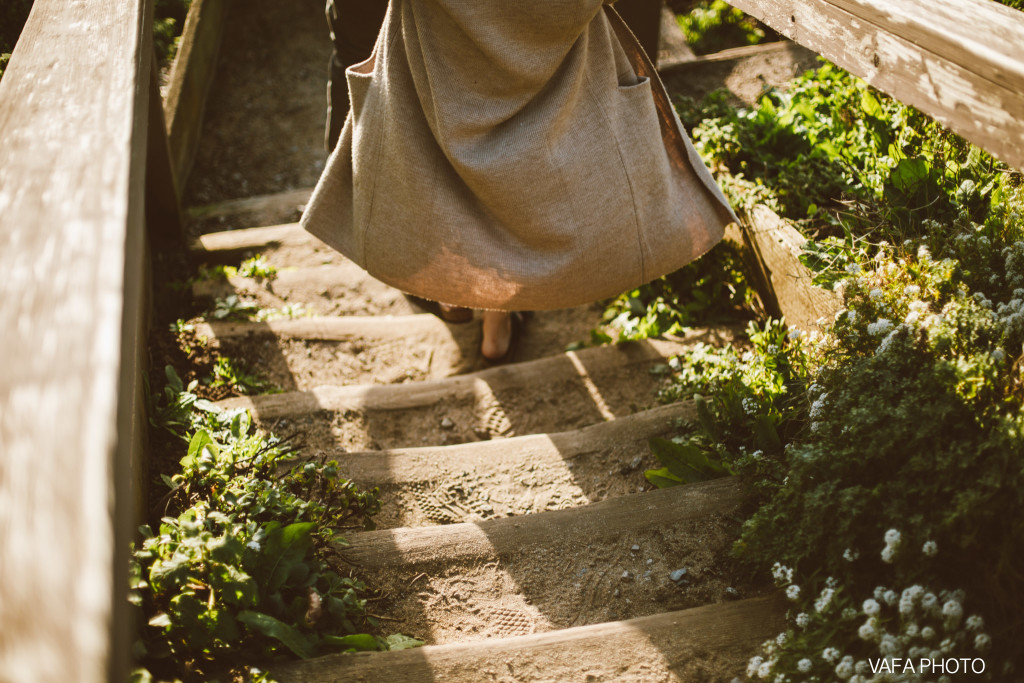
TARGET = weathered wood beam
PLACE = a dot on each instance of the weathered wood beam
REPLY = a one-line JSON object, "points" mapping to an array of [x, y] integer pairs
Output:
{"points": [[73, 112], [191, 76], [961, 61]]}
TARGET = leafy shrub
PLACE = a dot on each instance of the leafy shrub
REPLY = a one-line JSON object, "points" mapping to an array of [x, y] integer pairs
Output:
{"points": [[238, 571], [714, 25]]}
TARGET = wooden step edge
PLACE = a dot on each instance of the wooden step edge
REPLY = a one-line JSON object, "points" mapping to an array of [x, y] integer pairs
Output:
{"points": [[413, 465], [505, 537], [278, 200], [331, 328], [252, 238], [571, 365], [287, 278], [633, 650]]}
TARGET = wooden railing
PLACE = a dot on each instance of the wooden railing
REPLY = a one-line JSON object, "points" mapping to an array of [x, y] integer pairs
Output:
{"points": [[74, 119], [961, 61]]}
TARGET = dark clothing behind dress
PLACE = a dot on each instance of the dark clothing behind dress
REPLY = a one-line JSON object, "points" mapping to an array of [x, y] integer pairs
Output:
{"points": [[354, 25]]}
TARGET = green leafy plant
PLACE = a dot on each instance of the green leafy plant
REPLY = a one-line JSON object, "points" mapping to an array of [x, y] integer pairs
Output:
{"points": [[239, 571], [714, 25], [228, 372], [233, 307]]}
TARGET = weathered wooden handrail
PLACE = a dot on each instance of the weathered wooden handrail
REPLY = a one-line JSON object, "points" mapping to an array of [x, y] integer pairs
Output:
{"points": [[961, 61], [74, 111]]}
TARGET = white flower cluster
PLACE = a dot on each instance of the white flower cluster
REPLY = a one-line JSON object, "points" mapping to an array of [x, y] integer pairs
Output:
{"points": [[880, 327], [892, 544]]}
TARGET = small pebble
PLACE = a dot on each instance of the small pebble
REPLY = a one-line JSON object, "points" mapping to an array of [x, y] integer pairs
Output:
{"points": [[617, 592], [678, 575], [649, 562], [732, 592], [446, 422], [635, 548], [626, 576]]}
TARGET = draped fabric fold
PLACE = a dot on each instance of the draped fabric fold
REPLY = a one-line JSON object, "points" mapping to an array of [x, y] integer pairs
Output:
{"points": [[513, 154]]}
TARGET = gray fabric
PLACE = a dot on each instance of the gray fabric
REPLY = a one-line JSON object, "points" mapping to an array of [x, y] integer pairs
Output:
{"points": [[513, 155]]}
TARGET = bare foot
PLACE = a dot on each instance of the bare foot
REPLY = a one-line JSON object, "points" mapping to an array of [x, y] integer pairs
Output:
{"points": [[497, 334]]}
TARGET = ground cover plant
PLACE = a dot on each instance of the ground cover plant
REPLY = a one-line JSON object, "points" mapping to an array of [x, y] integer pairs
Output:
{"points": [[714, 25], [886, 452], [242, 561]]}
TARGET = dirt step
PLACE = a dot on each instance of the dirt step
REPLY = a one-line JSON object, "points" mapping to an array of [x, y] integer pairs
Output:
{"points": [[282, 245], [335, 289], [518, 476], [552, 394], [708, 644], [585, 565], [305, 352]]}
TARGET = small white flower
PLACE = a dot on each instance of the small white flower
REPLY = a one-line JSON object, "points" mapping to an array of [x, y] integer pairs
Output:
{"points": [[804, 665], [946, 646], [753, 665], [845, 668], [998, 355], [890, 597], [930, 548], [824, 600], [982, 642], [975, 623], [793, 592], [879, 592], [867, 630], [765, 670], [893, 537], [952, 610], [912, 630], [830, 655], [795, 334], [880, 327], [888, 554], [853, 269], [850, 555], [871, 607], [927, 633], [782, 638], [253, 545], [803, 620], [875, 294], [912, 290], [781, 573]]}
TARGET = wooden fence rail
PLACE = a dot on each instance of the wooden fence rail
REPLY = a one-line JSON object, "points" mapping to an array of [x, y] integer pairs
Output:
{"points": [[74, 112], [961, 61]]}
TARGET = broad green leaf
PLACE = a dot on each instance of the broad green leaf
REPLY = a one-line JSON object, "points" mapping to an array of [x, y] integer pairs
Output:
{"points": [[397, 641], [908, 174], [289, 636], [201, 440], [685, 461], [662, 478], [362, 642]]}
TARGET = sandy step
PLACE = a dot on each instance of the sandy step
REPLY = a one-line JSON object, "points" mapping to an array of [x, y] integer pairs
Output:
{"points": [[553, 394], [584, 565], [302, 353], [709, 644], [285, 245], [336, 289], [518, 476]]}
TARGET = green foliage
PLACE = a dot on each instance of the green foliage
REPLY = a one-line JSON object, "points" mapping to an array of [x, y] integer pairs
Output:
{"points": [[846, 160], [234, 307], [753, 406], [714, 25], [229, 372], [709, 290], [238, 571], [256, 267], [168, 22]]}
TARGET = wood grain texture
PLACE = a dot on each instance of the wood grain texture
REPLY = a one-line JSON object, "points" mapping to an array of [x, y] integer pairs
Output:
{"points": [[73, 112], [783, 283], [497, 538], [960, 61], [290, 234], [644, 649], [191, 76], [264, 202]]}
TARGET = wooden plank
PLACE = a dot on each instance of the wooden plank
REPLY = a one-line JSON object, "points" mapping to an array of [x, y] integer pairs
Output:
{"points": [[675, 64], [264, 202], [506, 536], [290, 234], [191, 76], [783, 283], [73, 112], [958, 60], [163, 208], [644, 649]]}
